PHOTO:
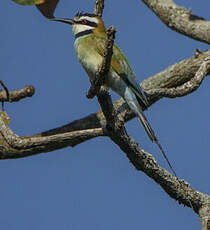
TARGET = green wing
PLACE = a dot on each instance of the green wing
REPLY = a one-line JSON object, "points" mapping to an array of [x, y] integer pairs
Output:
{"points": [[121, 66]]}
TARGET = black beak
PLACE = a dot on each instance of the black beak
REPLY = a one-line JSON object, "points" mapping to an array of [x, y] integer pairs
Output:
{"points": [[64, 20]]}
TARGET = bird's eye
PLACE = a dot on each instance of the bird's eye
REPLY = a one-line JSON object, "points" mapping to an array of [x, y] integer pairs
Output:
{"points": [[84, 21]]}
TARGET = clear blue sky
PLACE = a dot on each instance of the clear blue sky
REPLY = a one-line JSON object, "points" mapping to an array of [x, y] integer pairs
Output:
{"points": [[93, 186]]}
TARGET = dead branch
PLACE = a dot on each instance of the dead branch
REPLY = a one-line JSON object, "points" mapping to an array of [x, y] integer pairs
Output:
{"points": [[186, 88], [177, 80], [141, 160], [204, 213], [99, 6], [91, 126], [100, 78], [13, 146], [17, 95], [181, 20]]}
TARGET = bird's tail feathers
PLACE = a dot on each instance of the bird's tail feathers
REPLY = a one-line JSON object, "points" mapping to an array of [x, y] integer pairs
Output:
{"points": [[135, 103], [152, 136], [147, 126]]}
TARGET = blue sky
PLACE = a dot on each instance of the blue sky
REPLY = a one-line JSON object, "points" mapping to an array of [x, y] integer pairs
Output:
{"points": [[93, 185]]}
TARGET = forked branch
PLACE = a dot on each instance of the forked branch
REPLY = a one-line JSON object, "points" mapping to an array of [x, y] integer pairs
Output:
{"points": [[143, 161], [91, 126]]}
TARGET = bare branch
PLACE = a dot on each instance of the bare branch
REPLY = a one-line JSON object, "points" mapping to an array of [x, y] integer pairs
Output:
{"points": [[104, 69], [176, 81], [5, 89], [179, 79], [143, 161], [99, 6], [7, 93], [174, 76], [103, 95], [13, 146], [187, 87], [204, 213], [27, 91], [181, 20]]}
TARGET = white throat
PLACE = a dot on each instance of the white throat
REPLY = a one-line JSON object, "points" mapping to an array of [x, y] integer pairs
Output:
{"points": [[77, 28]]}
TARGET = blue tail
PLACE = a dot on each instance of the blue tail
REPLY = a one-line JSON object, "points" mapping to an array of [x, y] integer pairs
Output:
{"points": [[135, 103]]}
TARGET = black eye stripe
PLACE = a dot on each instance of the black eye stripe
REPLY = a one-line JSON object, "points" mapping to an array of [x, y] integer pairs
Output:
{"points": [[88, 23], [91, 24]]}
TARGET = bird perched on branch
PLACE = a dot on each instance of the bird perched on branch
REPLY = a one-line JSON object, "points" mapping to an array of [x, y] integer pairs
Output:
{"points": [[90, 38]]}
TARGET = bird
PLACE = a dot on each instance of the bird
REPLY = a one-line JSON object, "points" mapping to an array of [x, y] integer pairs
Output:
{"points": [[90, 37]]}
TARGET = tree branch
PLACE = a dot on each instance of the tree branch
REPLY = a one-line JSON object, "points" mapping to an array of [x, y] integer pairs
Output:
{"points": [[99, 6], [100, 78], [141, 160], [13, 146], [14, 96], [179, 79], [188, 87], [91, 125], [181, 20], [204, 213], [176, 81]]}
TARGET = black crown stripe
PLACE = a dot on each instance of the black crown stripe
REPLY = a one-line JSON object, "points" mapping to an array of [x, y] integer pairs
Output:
{"points": [[81, 13]]}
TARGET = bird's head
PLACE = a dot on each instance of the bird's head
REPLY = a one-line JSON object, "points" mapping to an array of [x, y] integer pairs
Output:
{"points": [[84, 23]]}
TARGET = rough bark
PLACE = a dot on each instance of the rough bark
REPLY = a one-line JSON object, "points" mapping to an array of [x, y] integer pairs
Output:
{"points": [[177, 80], [180, 19]]}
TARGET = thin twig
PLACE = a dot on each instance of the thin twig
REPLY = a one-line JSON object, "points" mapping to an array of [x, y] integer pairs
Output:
{"points": [[104, 69], [99, 6], [14, 96], [7, 93]]}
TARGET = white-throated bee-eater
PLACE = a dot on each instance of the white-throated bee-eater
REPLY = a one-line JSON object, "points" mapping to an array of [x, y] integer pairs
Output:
{"points": [[90, 37]]}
